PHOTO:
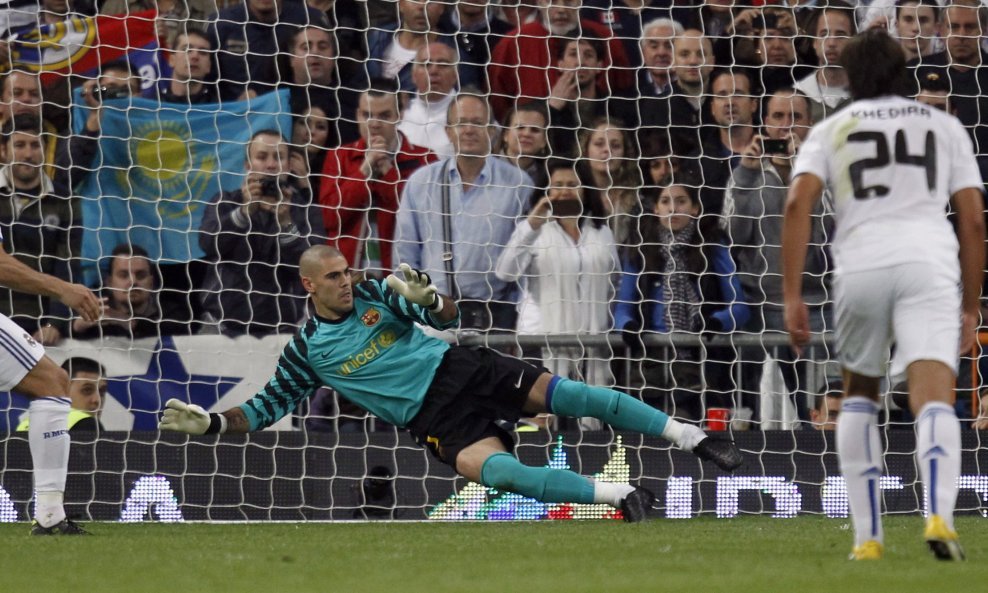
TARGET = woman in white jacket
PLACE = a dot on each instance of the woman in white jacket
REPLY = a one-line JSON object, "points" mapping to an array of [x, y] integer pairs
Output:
{"points": [[565, 258]]}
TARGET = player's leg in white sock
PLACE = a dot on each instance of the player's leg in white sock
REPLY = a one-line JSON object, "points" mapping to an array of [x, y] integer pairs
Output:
{"points": [[49, 441], [610, 493], [860, 451], [938, 454]]}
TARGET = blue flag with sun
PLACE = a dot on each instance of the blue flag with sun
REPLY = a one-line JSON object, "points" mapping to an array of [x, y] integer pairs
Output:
{"points": [[159, 165]]}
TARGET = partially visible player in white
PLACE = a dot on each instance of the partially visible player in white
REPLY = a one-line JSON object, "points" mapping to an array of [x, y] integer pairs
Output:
{"points": [[902, 275], [24, 368]]}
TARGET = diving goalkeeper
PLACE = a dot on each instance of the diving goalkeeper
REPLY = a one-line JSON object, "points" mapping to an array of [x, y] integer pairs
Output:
{"points": [[363, 342]]}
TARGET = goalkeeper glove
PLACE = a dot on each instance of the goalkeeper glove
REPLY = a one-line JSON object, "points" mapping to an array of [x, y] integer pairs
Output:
{"points": [[417, 288], [182, 417]]}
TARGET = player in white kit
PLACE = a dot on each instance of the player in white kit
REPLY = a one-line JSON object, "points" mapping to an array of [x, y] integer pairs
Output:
{"points": [[902, 275], [24, 368]]}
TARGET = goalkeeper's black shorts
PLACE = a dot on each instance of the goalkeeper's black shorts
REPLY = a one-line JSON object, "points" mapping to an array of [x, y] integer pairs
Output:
{"points": [[472, 388]]}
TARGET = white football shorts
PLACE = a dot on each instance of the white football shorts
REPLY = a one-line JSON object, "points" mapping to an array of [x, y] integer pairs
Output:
{"points": [[19, 353], [916, 305]]}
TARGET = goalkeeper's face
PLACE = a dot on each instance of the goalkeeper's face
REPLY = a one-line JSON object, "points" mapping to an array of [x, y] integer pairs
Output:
{"points": [[329, 280]]}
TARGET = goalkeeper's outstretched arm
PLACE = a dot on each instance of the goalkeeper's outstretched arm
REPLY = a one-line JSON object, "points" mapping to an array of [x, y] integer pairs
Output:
{"points": [[293, 381]]}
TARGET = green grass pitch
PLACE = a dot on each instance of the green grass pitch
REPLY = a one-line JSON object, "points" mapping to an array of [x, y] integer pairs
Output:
{"points": [[705, 555]]}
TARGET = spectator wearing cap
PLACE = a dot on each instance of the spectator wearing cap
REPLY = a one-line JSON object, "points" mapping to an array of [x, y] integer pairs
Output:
{"points": [[935, 92], [964, 66]]}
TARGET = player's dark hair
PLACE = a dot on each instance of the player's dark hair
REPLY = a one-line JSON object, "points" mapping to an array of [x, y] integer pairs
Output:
{"points": [[875, 65], [80, 364], [26, 123]]}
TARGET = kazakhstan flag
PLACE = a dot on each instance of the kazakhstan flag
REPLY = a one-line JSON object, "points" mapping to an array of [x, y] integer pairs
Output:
{"points": [[158, 166]]}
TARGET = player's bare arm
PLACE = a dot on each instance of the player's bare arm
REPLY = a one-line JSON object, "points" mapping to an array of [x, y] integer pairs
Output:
{"points": [[969, 205], [804, 193], [17, 276]]}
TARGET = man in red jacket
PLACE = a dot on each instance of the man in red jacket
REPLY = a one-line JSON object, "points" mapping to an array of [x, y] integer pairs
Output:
{"points": [[522, 65], [364, 179]]}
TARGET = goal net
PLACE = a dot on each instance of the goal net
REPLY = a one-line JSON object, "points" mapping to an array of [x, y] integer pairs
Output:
{"points": [[601, 184]]}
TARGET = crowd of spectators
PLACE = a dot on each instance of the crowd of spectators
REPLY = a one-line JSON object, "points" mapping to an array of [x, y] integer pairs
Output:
{"points": [[558, 166]]}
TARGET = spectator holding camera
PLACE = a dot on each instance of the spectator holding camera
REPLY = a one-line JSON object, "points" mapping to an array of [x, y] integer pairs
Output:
{"points": [[775, 52], [115, 81], [254, 237], [565, 259], [753, 207]]}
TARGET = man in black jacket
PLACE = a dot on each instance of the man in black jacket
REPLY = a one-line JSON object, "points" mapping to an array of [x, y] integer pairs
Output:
{"points": [[254, 236]]}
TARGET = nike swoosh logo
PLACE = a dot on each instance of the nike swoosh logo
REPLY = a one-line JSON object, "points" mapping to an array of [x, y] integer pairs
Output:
{"points": [[518, 382]]}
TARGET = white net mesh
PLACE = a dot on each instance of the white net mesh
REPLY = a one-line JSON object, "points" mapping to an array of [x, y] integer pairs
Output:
{"points": [[191, 151]]}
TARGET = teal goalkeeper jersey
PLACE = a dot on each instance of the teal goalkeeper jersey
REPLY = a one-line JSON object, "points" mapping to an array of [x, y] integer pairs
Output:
{"points": [[375, 357]]}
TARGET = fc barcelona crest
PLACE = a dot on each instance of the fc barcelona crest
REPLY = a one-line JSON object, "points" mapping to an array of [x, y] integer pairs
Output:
{"points": [[370, 317]]}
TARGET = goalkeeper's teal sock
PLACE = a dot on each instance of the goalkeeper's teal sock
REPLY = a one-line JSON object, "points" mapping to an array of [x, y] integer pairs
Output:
{"points": [[504, 472], [573, 398]]}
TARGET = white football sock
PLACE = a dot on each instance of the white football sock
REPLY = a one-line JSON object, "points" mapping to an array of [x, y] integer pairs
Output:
{"points": [[938, 454], [686, 436], [610, 493], [859, 449], [48, 437]]}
